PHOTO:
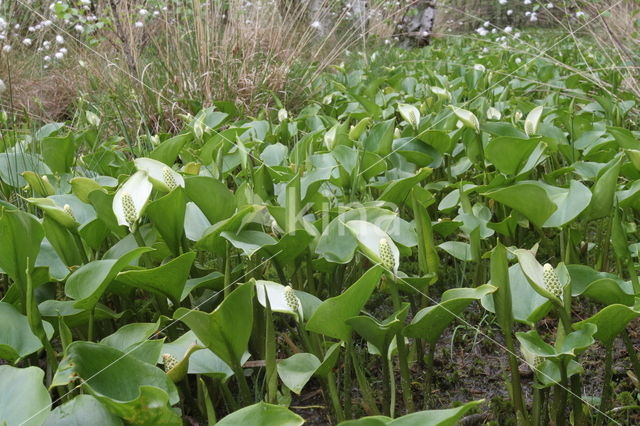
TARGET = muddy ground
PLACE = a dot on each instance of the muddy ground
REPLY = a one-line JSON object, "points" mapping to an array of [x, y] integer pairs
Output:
{"points": [[472, 365]]}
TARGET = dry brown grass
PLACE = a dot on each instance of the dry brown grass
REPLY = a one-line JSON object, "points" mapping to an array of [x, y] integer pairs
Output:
{"points": [[47, 96], [618, 37]]}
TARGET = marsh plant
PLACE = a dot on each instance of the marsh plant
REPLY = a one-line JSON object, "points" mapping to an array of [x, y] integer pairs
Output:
{"points": [[227, 271]]}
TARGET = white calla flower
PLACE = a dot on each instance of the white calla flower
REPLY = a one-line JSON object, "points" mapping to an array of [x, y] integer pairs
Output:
{"points": [[131, 198], [163, 177]]}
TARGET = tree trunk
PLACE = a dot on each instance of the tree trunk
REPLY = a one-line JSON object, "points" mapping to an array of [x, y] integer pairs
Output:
{"points": [[417, 29]]}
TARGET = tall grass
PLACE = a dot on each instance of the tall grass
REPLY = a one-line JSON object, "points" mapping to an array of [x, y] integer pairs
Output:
{"points": [[253, 54]]}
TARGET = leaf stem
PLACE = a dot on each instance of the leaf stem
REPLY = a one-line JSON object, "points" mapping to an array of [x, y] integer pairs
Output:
{"points": [[270, 355], [607, 388], [346, 382], [333, 396], [365, 389], [405, 382]]}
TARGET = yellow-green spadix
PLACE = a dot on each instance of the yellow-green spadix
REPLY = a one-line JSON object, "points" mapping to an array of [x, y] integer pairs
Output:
{"points": [[163, 177], [551, 281], [130, 199], [375, 243]]}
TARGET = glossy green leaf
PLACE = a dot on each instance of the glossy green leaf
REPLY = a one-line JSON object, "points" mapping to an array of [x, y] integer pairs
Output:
{"points": [[87, 284], [73, 317], [58, 152], [429, 323], [168, 150], [330, 317], [21, 235], [604, 190], [600, 286], [379, 333], [397, 191], [24, 401], [134, 390], [12, 165], [130, 334], [528, 198], [168, 279], [572, 344], [609, 321], [458, 249], [445, 417], [509, 154], [81, 410], [212, 238], [249, 241], [167, 214], [227, 329], [380, 137], [211, 196], [16, 338], [296, 370], [262, 414], [83, 186]]}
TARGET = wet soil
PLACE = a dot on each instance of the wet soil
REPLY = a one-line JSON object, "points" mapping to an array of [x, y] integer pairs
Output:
{"points": [[471, 363]]}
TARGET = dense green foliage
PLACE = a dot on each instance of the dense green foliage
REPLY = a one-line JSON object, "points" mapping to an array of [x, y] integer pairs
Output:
{"points": [[211, 273]]}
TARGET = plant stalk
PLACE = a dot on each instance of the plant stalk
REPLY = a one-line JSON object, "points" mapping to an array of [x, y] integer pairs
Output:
{"points": [[405, 382], [607, 387]]}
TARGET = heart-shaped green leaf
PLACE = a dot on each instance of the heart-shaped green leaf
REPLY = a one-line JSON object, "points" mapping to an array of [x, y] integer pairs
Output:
{"points": [[609, 321], [330, 317], [262, 414], [296, 370], [87, 284], [430, 322], [134, 390], [80, 410], [24, 401], [227, 329], [168, 279], [16, 338]]}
